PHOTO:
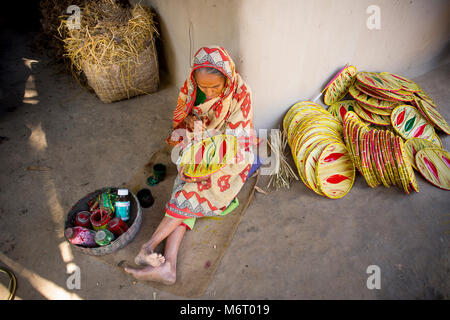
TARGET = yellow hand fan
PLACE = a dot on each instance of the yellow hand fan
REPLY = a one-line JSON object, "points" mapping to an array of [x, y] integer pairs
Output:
{"points": [[209, 155]]}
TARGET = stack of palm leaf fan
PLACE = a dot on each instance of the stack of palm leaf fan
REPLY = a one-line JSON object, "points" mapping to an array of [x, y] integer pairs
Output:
{"points": [[318, 149], [391, 107]]}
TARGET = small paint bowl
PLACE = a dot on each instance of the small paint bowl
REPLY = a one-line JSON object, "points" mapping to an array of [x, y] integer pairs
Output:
{"points": [[145, 198], [159, 171]]}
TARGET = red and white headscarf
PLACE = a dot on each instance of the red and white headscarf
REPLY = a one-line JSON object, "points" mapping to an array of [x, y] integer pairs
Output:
{"points": [[232, 110]]}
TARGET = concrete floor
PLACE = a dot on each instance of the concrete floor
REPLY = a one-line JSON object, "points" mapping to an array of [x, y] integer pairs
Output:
{"points": [[291, 244]]}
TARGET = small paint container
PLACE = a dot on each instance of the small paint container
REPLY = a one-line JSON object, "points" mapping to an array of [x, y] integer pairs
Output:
{"points": [[104, 237], [145, 198], [117, 227], [159, 171], [99, 219], [82, 219]]}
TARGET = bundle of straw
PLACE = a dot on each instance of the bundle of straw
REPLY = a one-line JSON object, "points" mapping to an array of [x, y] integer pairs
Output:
{"points": [[52, 36], [282, 174], [115, 48]]}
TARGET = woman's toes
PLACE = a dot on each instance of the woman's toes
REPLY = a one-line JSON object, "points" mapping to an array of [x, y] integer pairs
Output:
{"points": [[161, 258], [139, 260], [155, 259]]}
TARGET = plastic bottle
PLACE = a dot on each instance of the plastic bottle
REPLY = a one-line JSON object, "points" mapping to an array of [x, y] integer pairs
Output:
{"points": [[104, 237], [123, 205], [80, 236]]}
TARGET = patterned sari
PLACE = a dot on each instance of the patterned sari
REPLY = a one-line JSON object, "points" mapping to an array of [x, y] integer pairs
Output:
{"points": [[230, 113]]}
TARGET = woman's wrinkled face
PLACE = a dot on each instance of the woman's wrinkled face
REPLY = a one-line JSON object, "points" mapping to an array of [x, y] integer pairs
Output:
{"points": [[211, 85]]}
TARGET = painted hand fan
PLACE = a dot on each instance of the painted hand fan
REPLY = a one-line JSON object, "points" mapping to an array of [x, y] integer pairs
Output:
{"points": [[340, 108], [408, 167], [310, 160], [404, 177], [391, 154], [437, 141], [374, 93], [409, 122], [301, 150], [406, 84], [372, 117], [423, 95], [400, 95], [338, 87], [432, 114], [335, 171], [296, 109], [301, 117], [209, 155], [434, 165], [310, 135], [414, 145], [377, 81], [381, 112], [385, 157], [373, 102], [385, 179]]}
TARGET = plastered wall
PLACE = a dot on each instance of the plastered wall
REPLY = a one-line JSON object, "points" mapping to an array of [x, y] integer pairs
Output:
{"points": [[288, 49]]}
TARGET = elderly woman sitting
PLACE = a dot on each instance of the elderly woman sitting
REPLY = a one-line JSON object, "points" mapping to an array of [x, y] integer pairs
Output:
{"points": [[214, 98]]}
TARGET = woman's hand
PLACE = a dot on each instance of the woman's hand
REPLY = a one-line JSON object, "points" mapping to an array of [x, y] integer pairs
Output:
{"points": [[190, 122], [185, 178]]}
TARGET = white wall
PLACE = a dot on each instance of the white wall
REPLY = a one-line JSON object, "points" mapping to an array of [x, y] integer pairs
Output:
{"points": [[210, 22], [287, 50]]}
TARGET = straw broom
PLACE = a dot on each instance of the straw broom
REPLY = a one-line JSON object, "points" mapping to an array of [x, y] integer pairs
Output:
{"points": [[282, 174]]}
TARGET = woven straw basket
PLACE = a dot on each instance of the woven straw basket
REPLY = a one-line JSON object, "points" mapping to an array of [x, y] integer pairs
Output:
{"points": [[139, 75], [134, 224]]}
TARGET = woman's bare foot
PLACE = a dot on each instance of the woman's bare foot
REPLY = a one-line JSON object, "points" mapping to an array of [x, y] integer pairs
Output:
{"points": [[164, 273], [146, 257], [153, 259]]}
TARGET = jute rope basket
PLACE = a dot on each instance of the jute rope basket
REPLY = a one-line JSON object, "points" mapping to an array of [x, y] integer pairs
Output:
{"points": [[115, 49], [116, 82]]}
